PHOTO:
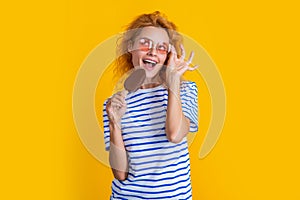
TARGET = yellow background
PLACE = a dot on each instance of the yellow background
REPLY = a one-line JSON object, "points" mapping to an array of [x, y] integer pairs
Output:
{"points": [[255, 45]]}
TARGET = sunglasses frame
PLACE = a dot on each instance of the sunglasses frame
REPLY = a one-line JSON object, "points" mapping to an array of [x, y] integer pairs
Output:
{"points": [[151, 46]]}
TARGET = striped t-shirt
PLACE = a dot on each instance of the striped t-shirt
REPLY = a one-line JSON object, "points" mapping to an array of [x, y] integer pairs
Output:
{"points": [[158, 169]]}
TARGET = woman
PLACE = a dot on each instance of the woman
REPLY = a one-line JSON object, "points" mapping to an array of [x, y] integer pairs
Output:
{"points": [[145, 132]]}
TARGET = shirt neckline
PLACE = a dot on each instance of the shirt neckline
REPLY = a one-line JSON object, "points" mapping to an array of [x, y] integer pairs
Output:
{"points": [[150, 89]]}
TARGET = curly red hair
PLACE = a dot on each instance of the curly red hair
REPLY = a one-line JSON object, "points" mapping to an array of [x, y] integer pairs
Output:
{"points": [[123, 62]]}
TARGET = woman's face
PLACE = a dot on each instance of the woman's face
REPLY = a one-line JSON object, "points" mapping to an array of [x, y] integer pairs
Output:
{"points": [[149, 51]]}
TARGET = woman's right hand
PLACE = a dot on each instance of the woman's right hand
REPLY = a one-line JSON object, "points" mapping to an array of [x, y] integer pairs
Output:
{"points": [[116, 107]]}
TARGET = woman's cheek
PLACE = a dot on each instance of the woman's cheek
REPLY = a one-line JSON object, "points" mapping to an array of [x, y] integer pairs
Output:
{"points": [[136, 58]]}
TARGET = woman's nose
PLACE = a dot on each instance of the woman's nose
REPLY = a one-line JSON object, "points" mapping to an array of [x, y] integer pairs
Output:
{"points": [[152, 51]]}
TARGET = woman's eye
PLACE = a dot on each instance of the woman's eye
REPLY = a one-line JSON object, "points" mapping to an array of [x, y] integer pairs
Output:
{"points": [[162, 47], [144, 42]]}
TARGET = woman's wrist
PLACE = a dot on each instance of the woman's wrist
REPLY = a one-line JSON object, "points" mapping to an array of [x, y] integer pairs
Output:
{"points": [[114, 125], [174, 88]]}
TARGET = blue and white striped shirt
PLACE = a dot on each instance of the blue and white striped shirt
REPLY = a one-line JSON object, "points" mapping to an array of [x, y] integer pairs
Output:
{"points": [[158, 169]]}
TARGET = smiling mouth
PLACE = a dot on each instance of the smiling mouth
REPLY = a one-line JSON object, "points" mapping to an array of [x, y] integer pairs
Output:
{"points": [[150, 63]]}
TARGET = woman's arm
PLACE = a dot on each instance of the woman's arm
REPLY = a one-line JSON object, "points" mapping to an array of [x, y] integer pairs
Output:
{"points": [[177, 125], [115, 108], [117, 153]]}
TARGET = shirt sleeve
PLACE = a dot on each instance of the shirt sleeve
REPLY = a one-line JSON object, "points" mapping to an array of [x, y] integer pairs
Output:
{"points": [[189, 102], [106, 127]]}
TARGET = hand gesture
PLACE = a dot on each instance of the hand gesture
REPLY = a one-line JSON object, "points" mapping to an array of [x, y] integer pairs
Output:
{"points": [[176, 67], [116, 107]]}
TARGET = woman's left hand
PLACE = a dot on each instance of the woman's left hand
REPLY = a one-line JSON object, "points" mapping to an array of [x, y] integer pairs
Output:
{"points": [[176, 67]]}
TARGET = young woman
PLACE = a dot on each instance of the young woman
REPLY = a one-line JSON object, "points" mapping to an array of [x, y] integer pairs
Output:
{"points": [[145, 131]]}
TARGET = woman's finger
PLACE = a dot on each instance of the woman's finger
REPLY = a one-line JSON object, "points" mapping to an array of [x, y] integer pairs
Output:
{"points": [[183, 69], [174, 51], [116, 105], [182, 65], [171, 61], [190, 58], [120, 98], [117, 98], [193, 68], [182, 53]]}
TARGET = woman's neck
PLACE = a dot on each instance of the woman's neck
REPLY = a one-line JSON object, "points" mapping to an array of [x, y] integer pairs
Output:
{"points": [[152, 82]]}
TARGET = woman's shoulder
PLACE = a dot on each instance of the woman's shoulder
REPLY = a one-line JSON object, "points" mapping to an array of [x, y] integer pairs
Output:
{"points": [[186, 85]]}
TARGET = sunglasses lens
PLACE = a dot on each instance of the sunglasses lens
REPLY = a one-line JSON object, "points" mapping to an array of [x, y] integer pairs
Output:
{"points": [[147, 44], [162, 48]]}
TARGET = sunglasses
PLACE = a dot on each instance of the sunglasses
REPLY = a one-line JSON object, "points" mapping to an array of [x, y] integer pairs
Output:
{"points": [[145, 44]]}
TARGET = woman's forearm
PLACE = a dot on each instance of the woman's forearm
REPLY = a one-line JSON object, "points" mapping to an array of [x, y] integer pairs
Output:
{"points": [[177, 125], [117, 153]]}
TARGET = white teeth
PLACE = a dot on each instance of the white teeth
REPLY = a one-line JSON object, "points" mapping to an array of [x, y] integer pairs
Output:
{"points": [[150, 61]]}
